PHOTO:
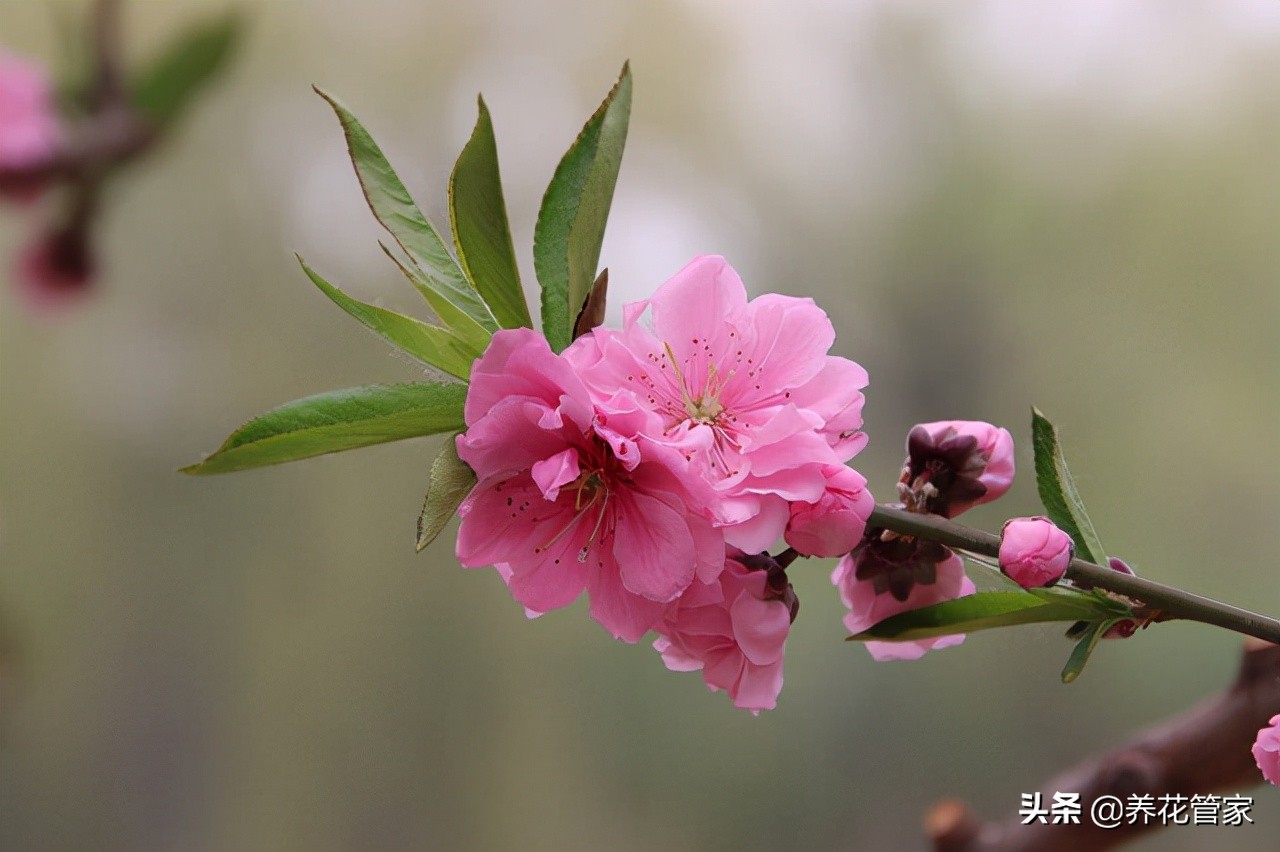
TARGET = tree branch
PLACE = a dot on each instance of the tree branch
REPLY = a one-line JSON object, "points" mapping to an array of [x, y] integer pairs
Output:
{"points": [[108, 83], [1204, 750], [1175, 602]]}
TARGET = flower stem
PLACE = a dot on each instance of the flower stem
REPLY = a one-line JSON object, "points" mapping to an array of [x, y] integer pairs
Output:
{"points": [[1175, 602]]}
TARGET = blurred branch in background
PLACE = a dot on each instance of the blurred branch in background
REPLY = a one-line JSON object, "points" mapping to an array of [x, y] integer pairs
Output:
{"points": [[107, 120], [1202, 751]]}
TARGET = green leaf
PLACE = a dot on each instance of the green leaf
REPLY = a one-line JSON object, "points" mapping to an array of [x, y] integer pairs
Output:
{"points": [[571, 222], [431, 344], [470, 332], [396, 211], [339, 420], [1088, 641], [983, 611], [451, 481], [481, 234], [169, 84], [1058, 491]]}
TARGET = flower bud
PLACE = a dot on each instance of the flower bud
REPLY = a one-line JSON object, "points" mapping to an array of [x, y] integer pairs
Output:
{"points": [[56, 268], [882, 578], [1266, 750], [954, 465], [28, 125], [896, 564], [1034, 552]]}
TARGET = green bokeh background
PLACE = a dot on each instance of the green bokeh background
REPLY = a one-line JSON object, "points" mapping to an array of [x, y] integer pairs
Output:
{"points": [[999, 203]]}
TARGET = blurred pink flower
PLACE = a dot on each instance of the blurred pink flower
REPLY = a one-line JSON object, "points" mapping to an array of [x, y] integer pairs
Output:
{"points": [[55, 269], [1034, 552], [1266, 750], [954, 465], [832, 525], [734, 629], [745, 390], [568, 499], [870, 605], [28, 122]]}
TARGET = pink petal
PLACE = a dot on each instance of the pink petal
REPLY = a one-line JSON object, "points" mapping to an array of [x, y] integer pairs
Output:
{"points": [[553, 472], [673, 658], [549, 583], [760, 628], [625, 615], [707, 287], [792, 339], [868, 608], [518, 361], [758, 687], [29, 130], [758, 534], [653, 547], [509, 438], [722, 669], [497, 521]]}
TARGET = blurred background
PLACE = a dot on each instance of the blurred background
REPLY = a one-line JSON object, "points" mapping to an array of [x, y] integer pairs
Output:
{"points": [[999, 203]]}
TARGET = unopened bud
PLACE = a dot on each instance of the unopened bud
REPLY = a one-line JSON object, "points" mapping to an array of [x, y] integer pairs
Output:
{"points": [[954, 465], [1034, 552]]}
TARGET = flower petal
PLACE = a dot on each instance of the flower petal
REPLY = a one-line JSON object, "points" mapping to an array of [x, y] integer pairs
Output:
{"points": [[653, 546], [553, 472]]}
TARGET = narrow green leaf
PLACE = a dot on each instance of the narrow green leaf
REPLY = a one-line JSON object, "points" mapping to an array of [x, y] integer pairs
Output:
{"points": [[1058, 491], [575, 208], [451, 481], [1093, 601], [432, 345], [339, 420], [470, 332], [981, 611], [1084, 648], [168, 85], [396, 211], [481, 234]]}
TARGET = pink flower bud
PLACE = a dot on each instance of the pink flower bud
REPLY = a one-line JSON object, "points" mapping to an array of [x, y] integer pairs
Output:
{"points": [[954, 465], [1034, 552], [868, 582], [28, 124], [833, 525], [56, 268], [1266, 750]]}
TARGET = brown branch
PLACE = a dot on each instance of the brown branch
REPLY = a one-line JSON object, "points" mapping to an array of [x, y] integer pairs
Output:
{"points": [[1204, 750], [1157, 596], [108, 83]]}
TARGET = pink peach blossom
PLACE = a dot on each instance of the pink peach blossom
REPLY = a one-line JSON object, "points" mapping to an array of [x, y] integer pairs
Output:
{"points": [[568, 499], [1034, 552], [954, 465], [28, 123], [734, 629], [745, 390], [1266, 750], [869, 606], [833, 525]]}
